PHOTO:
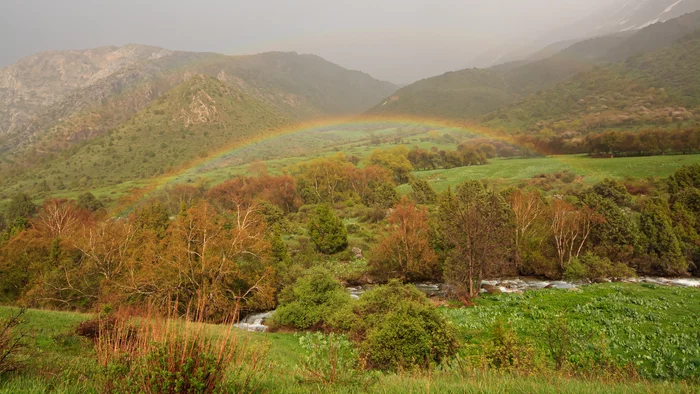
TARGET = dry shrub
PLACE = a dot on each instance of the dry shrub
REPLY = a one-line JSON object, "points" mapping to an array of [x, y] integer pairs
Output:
{"points": [[153, 354], [508, 352], [11, 342]]}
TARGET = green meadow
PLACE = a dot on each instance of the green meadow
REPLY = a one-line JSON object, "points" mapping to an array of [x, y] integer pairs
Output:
{"points": [[654, 328]]}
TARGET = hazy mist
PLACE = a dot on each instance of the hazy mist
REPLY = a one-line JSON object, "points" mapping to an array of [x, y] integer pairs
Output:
{"points": [[395, 40]]}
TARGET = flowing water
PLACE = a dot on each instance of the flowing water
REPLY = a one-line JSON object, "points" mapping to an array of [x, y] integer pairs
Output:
{"points": [[256, 322]]}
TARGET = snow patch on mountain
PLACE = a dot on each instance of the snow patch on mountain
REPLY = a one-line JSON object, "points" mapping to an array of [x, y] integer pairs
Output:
{"points": [[672, 6]]}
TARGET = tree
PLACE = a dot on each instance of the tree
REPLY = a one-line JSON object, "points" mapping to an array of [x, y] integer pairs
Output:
{"points": [[364, 181], [476, 227], [570, 228], [405, 252], [616, 234], [687, 176], [422, 192], [395, 159], [21, 206], [89, 202], [59, 217], [527, 208], [613, 190], [327, 231], [660, 239], [384, 196], [323, 179], [219, 260], [152, 216]]}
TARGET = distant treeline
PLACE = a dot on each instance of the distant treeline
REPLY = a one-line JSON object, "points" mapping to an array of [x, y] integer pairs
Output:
{"points": [[615, 143]]}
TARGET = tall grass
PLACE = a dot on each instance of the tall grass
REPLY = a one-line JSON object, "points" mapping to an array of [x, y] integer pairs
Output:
{"points": [[151, 353]]}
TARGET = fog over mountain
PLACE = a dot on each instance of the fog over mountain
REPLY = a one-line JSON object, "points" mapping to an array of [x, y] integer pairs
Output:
{"points": [[396, 40]]}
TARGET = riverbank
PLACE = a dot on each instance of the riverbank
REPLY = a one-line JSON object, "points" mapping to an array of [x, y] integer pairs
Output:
{"points": [[653, 328]]}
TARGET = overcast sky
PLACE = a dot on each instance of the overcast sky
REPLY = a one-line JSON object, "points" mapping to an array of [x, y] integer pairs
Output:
{"points": [[396, 40]]}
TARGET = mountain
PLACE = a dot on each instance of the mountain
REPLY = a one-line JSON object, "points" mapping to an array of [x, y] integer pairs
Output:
{"points": [[46, 89], [190, 121], [43, 79], [619, 17], [71, 111], [51, 111], [656, 36], [654, 89], [470, 93], [622, 16]]}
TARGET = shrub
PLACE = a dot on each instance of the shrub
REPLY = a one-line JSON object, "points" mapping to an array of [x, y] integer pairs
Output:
{"points": [[327, 231], [593, 267], [316, 300], [11, 342], [398, 328], [508, 352], [412, 336], [169, 356]]}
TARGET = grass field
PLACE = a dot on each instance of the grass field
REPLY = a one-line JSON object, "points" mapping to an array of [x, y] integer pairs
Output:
{"points": [[654, 327], [510, 171]]}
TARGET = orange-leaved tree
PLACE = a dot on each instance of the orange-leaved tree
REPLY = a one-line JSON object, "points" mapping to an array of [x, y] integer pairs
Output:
{"points": [[405, 251]]}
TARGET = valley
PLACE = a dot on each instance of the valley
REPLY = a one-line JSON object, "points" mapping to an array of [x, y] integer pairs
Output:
{"points": [[176, 221]]}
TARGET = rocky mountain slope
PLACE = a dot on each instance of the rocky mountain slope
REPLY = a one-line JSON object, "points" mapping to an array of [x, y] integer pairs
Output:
{"points": [[107, 85], [43, 79]]}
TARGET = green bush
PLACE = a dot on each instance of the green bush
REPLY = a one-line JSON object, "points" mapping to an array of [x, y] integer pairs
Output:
{"points": [[316, 300], [327, 231], [398, 328], [593, 267], [412, 336]]}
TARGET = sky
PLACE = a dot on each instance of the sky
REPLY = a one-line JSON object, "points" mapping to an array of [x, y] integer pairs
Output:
{"points": [[396, 40]]}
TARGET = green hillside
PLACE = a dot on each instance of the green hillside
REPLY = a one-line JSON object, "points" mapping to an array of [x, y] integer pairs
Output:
{"points": [[191, 121], [657, 88], [457, 94], [655, 60], [469, 93]]}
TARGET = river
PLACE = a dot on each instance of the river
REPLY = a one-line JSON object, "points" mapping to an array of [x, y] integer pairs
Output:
{"points": [[255, 322]]}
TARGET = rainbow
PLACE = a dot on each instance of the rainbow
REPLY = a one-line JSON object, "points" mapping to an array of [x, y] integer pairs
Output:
{"points": [[369, 122]]}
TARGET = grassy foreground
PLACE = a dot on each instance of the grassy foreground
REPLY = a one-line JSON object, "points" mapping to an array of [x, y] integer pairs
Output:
{"points": [[655, 328]]}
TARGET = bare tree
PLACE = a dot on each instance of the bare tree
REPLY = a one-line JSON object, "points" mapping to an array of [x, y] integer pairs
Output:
{"points": [[570, 230], [527, 208]]}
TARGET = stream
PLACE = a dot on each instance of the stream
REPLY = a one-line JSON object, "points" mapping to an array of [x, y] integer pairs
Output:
{"points": [[256, 322]]}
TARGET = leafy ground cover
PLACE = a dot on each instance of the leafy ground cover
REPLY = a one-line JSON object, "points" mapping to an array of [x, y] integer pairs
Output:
{"points": [[655, 329]]}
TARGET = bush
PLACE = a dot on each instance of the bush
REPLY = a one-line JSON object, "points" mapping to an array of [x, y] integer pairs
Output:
{"points": [[316, 300], [327, 231], [592, 267], [398, 328], [412, 336], [169, 356], [508, 352], [11, 342]]}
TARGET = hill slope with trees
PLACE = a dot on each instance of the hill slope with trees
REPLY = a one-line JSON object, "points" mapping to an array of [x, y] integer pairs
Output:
{"points": [[190, 121]]}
